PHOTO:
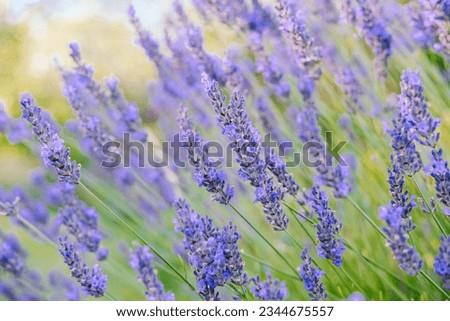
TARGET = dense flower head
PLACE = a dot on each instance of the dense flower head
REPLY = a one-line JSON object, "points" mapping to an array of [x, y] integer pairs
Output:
{"points": [[213, 253], [405, 155], [442, 262], [269, 290], [431, 20], [412, 103], [376, 34], [397, 240], [400, 196], [268, 66], [11, 256], [306, 52], [311, 275], [351, 87], [81, 221], [246, 143], [205, 173], [92, 281], [278, 168], [327, 174], [441, 174], [54, 152], [330, 245], [142, 262]]}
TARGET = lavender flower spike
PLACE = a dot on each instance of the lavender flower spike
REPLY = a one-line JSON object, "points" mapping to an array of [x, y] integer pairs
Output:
{"points": [[412, 103], [205, 174], [441, 175], [405, 155], [213, 254], [269, 290], [246, 143], [330, 246], [400, 197], [93, 282], [442, 262], [142, 262], [311, 276], [11, 256], [397, 240], [376, 36], [9, 208], [54, 152]]}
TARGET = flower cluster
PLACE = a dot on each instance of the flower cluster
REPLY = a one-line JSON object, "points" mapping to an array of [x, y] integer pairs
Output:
{"points": [[376, 34], [397, 240], [412, 103], [142, 262], [311, 276], [205, 174], [213, 253], [246, 142], [330, 246], [54, 152], [269, 290], [93, 282], [442, 262]]}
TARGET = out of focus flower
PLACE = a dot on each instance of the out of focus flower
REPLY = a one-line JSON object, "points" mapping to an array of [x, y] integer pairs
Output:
{"points": [[269, 290], [441, 175], [11, 256], [442, 262], [330, 245], [142, 262], [205, 173], [397, 240]]}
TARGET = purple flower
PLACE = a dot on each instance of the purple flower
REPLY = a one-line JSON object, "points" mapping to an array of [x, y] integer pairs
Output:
{"points": [[330, 245], [400, 197], [9, 208], [327, 174], [311, 275], [92, 281], [306, 53], [269, 290], [397, 240], [246, 143], [405, 155], [54, 152], [376, 36], [351, 87], [4, 119], [11, 256], [412, 103], [142, 262], [81, 221], [62, 285], [278, 168], [205, 173], [442, 262], [213, 253], [441, 175]]}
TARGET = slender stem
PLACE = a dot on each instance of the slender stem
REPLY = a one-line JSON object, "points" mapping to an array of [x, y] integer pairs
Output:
{"points": [[366, 216], [273, 268], [121, 220], [429, 279], [264, 238], [36, 230], [441, 228]]}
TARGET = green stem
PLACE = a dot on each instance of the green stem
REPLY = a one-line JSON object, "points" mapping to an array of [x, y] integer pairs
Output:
{"points": [[366, 216], [441, 228], [264, 238], [122, 221], [429, 279]]}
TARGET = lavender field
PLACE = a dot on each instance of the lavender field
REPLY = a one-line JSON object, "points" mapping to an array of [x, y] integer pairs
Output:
{"points": [[227, 150]]}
